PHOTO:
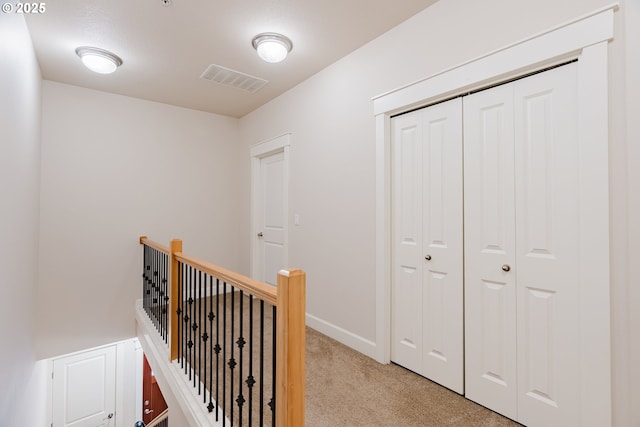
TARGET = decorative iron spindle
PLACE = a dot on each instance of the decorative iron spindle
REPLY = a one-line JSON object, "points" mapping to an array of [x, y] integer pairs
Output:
{"points": [[241, 342], [217, 348], [232, 361], [250, 380], [179, 311], [205, 338], [210, 406], [237, 372], [195, 330], [224, 350], [155, 288], [272, 403], [261, 413]]}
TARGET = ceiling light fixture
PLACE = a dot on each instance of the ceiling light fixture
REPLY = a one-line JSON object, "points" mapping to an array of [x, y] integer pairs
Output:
{"points": [[99, 60], [272, 47]]}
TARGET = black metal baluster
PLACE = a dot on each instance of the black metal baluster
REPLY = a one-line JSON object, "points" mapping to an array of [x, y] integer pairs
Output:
{"points": [[232, 361], [272, 404], [165, 310], [224, 352], [199, 353], [250, 380], [159, 299], [159, 293], [185, 317], [145, 259], [205, 338], [155, 289], [262, 363], [154, 285], [151, 287], [211, 316], [179, 314], [163, 287], [188, 325], [192, 329], [218, 347], [241, 343]]}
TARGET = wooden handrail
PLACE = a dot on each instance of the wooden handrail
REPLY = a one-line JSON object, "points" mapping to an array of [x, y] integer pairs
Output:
{"points": [[258, 289], [145, 241]]}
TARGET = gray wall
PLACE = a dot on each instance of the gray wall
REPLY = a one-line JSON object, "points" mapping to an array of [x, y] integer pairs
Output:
{"points": [[20, 85]]}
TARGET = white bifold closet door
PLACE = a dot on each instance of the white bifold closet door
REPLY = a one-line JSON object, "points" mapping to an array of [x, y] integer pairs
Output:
{"points": [[522, 249], [427, 291]]}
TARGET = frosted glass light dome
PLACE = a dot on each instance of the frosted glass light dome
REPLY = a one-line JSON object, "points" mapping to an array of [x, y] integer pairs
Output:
{"points": [[98, 60], [272, 47]]}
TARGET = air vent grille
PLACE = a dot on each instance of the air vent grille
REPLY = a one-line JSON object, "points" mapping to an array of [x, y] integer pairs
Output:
{"points": [[232, 78]]}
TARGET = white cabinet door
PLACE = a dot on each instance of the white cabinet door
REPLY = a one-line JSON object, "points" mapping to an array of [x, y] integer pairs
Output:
{"points": [[548, 248], [84, 389], [489, 226], [427, 310]]}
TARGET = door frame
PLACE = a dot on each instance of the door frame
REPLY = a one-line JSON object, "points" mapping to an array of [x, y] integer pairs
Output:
{"points": [[278, 144], [584, 39]]}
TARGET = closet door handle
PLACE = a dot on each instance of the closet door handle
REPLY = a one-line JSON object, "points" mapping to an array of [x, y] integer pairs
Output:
{"points": [[506, 267], [427, 257]]}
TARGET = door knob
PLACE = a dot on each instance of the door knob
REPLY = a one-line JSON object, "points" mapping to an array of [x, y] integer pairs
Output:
{"points": [[506, 267], [148, 411], [427, 257], [260, 234]]}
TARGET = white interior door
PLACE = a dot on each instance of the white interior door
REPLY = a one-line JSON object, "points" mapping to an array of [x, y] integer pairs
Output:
{"points": [[406, 291], [271, 217], [84, 389], [427, 297], [548, 248], [489, 239]]}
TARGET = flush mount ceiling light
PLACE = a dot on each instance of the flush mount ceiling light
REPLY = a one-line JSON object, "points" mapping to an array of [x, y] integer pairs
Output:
{"points": [[272, 47], [99, 60]]}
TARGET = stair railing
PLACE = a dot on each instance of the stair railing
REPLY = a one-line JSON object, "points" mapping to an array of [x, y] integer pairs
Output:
{"points": [[239, 341]]}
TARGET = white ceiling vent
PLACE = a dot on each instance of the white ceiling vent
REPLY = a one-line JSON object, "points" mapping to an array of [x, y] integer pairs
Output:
{"points": [[232, 78]]}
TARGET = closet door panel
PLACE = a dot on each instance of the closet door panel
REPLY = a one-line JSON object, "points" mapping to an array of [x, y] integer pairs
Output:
{"points": [[406, 295], [547, 239], [489, 226], [443, 242]]}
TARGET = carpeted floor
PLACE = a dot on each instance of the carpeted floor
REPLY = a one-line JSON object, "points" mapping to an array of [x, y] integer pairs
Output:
{"points": [[344, 388], [348, 389]]}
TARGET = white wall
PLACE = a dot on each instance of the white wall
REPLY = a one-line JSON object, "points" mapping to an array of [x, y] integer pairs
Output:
{"points": [[20, 86], [333, 139], [114, 168]]}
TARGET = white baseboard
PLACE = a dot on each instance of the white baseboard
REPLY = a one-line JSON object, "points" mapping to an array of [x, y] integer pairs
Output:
{"points": [[356, 342]]}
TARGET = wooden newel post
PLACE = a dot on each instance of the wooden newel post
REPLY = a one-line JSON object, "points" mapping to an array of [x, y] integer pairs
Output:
{"points": [[290, 348], [175, 247]]}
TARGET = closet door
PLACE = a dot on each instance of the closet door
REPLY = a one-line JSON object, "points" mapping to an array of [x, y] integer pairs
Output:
{"points": [[548, 248], [522, 249], [406, 295], [489, 226], [427, 307]]}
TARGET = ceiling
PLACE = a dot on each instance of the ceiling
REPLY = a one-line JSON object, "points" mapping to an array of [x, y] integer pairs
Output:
{"points": [[165, 49]]}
